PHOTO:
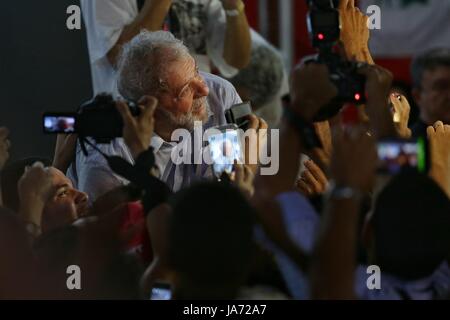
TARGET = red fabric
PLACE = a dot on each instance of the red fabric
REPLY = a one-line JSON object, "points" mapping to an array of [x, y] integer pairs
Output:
{"points": [[252, 12], [139, 240]]}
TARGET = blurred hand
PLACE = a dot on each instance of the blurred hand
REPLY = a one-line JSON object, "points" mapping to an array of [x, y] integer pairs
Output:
{"points": [[243, 179], [4, 146], [138, 131], [355, 32], [439, 139], [309, 96], [401, 115], [35, 189], [257, 139], [66, 145], [378, 86], [322, 156], [354, 159], [313, 181]]}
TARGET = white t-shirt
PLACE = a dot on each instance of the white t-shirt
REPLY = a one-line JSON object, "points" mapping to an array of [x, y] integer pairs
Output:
{"points": [[204, 27]]}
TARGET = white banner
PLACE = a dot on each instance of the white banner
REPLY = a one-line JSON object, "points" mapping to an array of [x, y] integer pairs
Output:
{"points": [[409, 27]]}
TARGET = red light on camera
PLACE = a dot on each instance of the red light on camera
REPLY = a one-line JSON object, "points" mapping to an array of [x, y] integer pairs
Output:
{"points": [[357, 97], [321, 36]]}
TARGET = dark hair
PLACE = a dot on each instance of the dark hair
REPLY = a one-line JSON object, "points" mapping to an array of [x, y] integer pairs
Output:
{"points": [[11, 175], [429, 61], [411, 227], [210, 241], [108, 272]]}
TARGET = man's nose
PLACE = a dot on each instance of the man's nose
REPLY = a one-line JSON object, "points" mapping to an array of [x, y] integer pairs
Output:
{"points": [[81, 198], [201, 89]]}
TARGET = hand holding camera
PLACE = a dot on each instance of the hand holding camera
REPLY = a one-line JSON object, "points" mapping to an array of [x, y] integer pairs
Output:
{"points": [[378, 86], [354, 32], [138, 131], [308, 96]]}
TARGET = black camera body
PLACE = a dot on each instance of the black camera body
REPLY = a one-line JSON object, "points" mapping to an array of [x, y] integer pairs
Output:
{"points": [[238, 115], [324, 28], [100, 120]]}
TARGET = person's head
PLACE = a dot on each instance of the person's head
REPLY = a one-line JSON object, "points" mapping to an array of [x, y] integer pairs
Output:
{"points": [[408, 234], [64, 206], [431, 77], [106, 271], [159, 65], [262, 79], [210, 241]]}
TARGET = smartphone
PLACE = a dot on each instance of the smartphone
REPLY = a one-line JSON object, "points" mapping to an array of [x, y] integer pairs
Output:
{"points": [[397, 156], [225, 147], [58, 122], [161, 291]]}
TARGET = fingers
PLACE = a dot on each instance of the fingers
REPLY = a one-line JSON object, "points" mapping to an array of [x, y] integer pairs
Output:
{"points": [[149, 106], [351, 4], [239, 172], [439, 127], [316, 172], [254, 122], [124, 111], [343, 4], [304, 188], [430, 131], [312, 182]]}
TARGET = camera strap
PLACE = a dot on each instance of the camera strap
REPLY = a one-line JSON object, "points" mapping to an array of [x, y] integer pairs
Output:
{"points": [[154, 190]]}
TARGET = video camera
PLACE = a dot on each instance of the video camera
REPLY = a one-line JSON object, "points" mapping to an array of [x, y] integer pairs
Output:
{"points": [[324, 27], [97, 119]]}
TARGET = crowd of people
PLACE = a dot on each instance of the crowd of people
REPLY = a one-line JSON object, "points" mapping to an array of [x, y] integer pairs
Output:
{"points": [[310, 231]]}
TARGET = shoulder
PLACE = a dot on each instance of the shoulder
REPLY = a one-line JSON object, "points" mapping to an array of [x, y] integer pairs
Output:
{"points": [[217, 84]]}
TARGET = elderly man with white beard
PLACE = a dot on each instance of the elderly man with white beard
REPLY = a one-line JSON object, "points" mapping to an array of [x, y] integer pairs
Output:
{"points": [[157, 65]]}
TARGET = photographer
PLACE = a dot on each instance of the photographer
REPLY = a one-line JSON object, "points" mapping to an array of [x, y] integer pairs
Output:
{"points": [[156, 64], [431, 80]]}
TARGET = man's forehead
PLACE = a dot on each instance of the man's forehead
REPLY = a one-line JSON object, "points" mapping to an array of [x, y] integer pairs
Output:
{"points": [[59, 178], [439, 72], [182, 69]]}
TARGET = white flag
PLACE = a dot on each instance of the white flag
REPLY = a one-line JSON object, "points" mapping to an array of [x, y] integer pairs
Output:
{"points": [[409, 27]]}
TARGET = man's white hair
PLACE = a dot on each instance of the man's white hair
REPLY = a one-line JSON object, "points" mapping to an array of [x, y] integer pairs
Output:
{"points": [[144, 61]]}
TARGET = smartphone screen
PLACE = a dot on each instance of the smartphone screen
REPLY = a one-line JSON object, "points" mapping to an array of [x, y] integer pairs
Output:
{"points": [[225, 148], [54, 123], [161, 291], [400, 156]]}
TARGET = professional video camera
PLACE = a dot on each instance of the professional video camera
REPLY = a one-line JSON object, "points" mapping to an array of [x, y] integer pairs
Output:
{"points": [[97, 119], [324, 27]]}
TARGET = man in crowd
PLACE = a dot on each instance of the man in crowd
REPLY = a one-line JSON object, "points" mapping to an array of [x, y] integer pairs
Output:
{"points": [[155, 64], [216, 32], [431, 76]]}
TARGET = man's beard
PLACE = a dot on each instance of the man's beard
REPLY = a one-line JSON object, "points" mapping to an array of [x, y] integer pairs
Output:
{"points": [[187, 120]]}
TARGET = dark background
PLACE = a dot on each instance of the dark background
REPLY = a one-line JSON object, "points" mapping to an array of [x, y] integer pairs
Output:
{"points": [[43, 67]]}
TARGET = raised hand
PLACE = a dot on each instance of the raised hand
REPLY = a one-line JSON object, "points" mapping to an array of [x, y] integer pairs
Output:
{"points": [[138, 131]]}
